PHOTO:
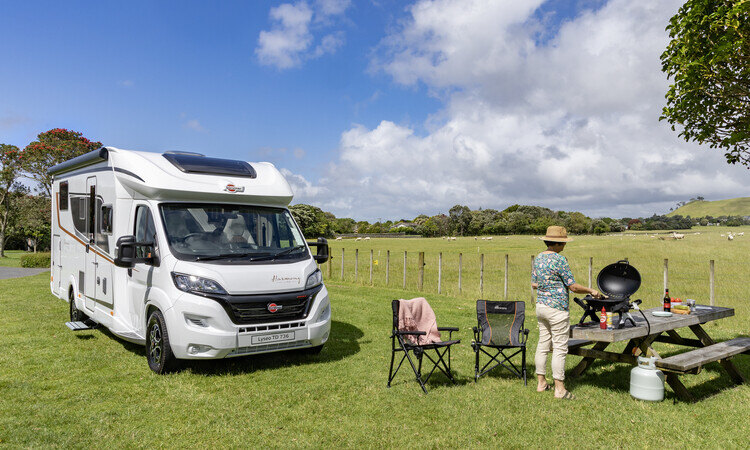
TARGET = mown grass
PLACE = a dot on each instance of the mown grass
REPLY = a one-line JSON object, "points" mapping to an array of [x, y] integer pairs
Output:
{"points": [[89, 389], [12, 258]]}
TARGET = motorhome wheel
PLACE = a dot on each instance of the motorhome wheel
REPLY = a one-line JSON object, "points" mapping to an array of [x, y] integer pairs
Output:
{"points": [[76, 315], [158, 351]]}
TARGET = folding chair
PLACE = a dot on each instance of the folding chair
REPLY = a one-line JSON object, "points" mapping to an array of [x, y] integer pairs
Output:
{"points": [[500, 329], [400, 343]]}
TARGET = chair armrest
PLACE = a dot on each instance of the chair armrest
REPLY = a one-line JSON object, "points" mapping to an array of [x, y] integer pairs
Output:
{"points": [[447, 328], [413, 333], [525, 332]]}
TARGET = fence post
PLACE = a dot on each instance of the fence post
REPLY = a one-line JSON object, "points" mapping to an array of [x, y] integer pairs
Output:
{"points": [[505, 289], [591, 269], [530, 287], [666, 273], [460, 257], [356, 264], [404, 269], [420, 263], [711, 282], [342, 264], [440, 271], [387, 265], [330, 265], [481, 275], [370, 266]]}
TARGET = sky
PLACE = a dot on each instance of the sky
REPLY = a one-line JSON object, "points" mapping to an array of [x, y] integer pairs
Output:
{"points": [[375, 109]]}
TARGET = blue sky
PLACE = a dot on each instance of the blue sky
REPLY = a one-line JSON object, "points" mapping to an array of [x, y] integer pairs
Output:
{"points": [[373, 108]]}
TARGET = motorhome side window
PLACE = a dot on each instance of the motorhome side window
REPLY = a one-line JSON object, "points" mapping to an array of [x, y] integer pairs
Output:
{"points": [[106, 219], [78, 209], [145, 231], [63, 196]]}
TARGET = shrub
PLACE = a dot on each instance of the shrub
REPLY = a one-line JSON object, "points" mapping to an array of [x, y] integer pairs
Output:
{"points": [[35, 260]]}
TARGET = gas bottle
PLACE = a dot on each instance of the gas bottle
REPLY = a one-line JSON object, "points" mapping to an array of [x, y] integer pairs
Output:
{"points": [[646, 381]]}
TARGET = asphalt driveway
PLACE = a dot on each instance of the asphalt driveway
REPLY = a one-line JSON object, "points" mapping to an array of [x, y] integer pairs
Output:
{"points": [[18, 272]]}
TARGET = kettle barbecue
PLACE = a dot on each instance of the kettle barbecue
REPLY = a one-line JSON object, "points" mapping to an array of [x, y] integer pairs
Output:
{"points": [[618, 282]]}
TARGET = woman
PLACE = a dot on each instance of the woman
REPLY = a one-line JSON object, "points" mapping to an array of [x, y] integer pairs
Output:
{"points": [[552, 279]]}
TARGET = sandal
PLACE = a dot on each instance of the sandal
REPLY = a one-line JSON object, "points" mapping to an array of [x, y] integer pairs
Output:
{"points": [[546, 388], [568, 396]]}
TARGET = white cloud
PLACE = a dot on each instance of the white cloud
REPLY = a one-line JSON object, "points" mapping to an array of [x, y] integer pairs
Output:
{"points": [[569, 124], [195, 125], [290, 40]]}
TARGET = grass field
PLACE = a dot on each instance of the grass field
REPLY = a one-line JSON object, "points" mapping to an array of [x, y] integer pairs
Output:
{"points": [[12, 258], [729, 207], [63, 389]]}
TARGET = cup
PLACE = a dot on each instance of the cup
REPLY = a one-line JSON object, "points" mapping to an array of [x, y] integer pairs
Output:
{"points": [[691, 304]]}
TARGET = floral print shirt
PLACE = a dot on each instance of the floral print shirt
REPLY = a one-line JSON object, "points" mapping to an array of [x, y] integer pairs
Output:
{"points": [[552, 274]]}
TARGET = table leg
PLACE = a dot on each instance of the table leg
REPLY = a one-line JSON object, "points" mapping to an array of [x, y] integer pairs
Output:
{"points": [[644, 346], [727, 364], [587, 361], [679, 389]]}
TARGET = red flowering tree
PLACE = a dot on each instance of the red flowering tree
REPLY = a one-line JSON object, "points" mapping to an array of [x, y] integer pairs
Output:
{"points": [[53, 147], [10, 169]]}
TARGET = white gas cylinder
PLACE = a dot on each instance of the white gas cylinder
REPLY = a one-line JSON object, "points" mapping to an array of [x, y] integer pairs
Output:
{"points": [[646, 381]]}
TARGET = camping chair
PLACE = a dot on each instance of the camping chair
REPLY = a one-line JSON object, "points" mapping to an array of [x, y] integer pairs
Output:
{"points": [[400, 343], [500, 329]]}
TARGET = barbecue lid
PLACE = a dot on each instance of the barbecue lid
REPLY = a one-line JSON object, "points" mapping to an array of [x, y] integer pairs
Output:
{"points": [[619, 280]]}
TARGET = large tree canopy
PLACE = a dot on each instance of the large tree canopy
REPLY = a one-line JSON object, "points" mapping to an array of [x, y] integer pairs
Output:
{"points": [[709, 60], [53, 147]]}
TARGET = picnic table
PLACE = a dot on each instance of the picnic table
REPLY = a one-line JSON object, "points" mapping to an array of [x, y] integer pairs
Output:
{"points": [[642, 336]]}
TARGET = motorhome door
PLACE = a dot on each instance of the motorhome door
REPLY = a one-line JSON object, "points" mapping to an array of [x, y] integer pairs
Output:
{"points": [[91, 260]]}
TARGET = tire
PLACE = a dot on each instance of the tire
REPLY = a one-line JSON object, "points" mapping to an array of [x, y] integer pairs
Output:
{"points": [[159, 354], [76, 315], [312, 350]]}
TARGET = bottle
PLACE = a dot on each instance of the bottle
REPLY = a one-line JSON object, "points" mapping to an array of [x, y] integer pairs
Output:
{"points": [[667, 301], [610, 318], [603, 319]]}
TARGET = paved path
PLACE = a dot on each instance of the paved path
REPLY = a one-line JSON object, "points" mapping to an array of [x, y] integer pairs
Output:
{"points": [[18, 272]]}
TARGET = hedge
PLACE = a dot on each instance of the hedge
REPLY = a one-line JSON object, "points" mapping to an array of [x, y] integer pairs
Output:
{"points": [[35, 260]]}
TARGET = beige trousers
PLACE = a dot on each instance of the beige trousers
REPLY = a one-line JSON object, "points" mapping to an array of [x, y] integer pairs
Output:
{"points": [[554, 326]]}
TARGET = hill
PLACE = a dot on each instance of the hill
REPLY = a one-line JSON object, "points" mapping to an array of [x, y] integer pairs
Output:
{"points": [[730, 207]]}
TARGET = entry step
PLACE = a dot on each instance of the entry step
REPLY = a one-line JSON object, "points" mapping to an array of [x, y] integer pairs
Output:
{"points": [[79, 326]]}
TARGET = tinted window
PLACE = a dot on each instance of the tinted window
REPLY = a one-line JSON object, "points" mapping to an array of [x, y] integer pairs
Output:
{"points": [[105, 220], [63, 196], [145, 231], [213, 166], [78, 209]]}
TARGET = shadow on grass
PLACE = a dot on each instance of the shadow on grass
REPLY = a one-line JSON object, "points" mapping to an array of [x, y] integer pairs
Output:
{"points": [[616, 376], [343, 342]]}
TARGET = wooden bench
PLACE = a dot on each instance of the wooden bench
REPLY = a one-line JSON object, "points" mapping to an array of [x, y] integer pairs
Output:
{"points": [[575, 343], [692, 361]]}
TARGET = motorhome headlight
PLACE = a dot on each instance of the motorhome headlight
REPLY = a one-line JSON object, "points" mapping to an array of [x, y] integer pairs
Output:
{"points": [[192, 283], [314, 279]]}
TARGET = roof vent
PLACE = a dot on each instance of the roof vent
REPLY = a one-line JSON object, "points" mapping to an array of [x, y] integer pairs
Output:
{"points": [[197, 163]]}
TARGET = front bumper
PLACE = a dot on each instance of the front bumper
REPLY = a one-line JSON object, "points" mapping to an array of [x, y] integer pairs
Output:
{"points": [[200, 328]]}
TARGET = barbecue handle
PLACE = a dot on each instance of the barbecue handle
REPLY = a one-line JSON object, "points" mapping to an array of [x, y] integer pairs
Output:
{"points": [[580, 303], [623, 261]]}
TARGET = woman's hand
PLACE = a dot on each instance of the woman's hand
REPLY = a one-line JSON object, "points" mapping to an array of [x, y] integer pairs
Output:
{"points": [[596, 294]]}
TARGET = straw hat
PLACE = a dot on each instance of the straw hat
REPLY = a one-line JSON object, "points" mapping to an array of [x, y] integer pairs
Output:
{"points": [[557, 234]]}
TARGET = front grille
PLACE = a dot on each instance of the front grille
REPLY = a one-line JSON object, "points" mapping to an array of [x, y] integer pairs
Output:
{"points": [[253, 309]]}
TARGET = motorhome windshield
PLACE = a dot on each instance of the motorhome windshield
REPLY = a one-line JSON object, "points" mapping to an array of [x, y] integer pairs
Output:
{"points": [[232, 233]]}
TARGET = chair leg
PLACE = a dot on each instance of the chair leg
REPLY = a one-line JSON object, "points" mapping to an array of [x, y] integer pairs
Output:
{"points": [[419, 372], [476, 364], [390, 371], [523, 364]]}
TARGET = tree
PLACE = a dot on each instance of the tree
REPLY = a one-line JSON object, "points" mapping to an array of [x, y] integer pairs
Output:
{"points": [[33, 219], [311, 219], [10, 160], [709, 60], [53, 147]]}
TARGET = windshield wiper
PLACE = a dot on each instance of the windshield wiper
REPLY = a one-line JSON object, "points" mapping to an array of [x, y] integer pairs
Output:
{"points": [[281, 253], [226, 256]]}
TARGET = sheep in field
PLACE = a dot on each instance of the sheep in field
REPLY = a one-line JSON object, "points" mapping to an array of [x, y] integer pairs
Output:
{"points": [[367, 238], [358, 239]]}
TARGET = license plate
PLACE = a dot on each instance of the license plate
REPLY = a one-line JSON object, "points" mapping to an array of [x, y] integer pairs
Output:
{"points": [[272, 338]]}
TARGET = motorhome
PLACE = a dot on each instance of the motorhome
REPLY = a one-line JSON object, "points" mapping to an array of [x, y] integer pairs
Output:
{"points": [[192, 256]]}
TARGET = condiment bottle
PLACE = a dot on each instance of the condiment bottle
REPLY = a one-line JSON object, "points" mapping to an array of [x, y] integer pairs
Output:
{"points": [[667, 301], [603, 319]]}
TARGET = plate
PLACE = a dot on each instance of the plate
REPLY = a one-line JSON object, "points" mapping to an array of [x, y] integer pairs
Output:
{"points": [[662, 313], [272, 338]]}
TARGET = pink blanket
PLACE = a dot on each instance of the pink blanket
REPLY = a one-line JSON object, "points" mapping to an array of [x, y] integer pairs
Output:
{"points": [[417, 315]]}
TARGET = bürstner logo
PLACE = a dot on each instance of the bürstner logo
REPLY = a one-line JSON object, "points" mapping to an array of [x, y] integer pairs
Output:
{"points": [[273, 307], [232, 188]]}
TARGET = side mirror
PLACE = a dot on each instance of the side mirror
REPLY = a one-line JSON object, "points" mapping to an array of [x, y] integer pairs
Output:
{"points": [[127, 252], [322, 254]]}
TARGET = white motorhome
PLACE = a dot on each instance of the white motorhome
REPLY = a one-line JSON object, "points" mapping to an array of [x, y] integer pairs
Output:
{"points": [[192, 256]]}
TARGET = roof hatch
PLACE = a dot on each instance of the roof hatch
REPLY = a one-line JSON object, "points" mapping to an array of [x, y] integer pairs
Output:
{"points": [[197, 163]]}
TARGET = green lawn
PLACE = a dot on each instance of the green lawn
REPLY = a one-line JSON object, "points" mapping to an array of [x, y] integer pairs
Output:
{"points": [[12, 258], [63, 389], [729, 207]]}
